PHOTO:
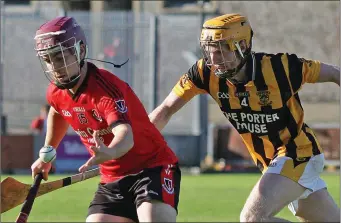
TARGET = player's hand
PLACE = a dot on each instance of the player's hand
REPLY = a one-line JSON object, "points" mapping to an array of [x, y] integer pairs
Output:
{"points": [[40, 167], [100, 153]]}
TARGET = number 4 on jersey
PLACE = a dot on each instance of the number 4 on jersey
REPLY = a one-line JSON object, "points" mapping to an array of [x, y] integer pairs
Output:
{"points": [[244, 102]]}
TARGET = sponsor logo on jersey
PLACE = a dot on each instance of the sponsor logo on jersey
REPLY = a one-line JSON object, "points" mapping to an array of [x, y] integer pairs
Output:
{"points": [[96, 115], [79, 109], [253, 123], [223, 95], [242, 94], [273, 163], [66, 113]]}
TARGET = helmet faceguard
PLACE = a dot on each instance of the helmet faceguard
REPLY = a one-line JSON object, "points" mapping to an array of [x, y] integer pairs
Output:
{"points": [[58, 46], [55, 62], [223, 35]]}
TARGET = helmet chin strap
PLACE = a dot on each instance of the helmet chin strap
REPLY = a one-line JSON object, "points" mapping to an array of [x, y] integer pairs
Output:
{"points": [[70, 84], [230, 73], [74, 80]]}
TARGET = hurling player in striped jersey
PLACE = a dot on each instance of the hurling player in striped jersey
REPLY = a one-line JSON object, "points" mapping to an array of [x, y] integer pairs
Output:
{"points": [[258, 94]]}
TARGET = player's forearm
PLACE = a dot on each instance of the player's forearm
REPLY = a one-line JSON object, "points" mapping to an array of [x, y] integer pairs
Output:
{"points": [[56, 129], [329, 73], [160, 117], [122, 142], [335, 74]]}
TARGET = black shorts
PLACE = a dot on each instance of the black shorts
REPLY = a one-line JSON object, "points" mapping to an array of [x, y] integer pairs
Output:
{"points": [[124, 196]]}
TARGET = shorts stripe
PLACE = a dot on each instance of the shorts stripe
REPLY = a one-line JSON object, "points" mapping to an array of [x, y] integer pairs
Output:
{"points": [[167, 182], [292, 172]]}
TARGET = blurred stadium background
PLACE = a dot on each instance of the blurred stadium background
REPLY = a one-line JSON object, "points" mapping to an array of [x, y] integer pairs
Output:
{"points": [[161, 38]]}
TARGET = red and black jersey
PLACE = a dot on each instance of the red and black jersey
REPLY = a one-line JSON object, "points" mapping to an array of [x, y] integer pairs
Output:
{"points": [[103, 100]]}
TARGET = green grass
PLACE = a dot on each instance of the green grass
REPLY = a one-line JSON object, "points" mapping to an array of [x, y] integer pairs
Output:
{"points": [[203, 198]]}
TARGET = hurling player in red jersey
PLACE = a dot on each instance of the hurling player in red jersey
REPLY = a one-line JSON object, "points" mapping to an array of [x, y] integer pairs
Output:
{"points": [[140, 177]]}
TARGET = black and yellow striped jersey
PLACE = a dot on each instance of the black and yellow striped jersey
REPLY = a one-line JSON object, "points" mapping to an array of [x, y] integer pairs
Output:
{"points": [[266, 111]]}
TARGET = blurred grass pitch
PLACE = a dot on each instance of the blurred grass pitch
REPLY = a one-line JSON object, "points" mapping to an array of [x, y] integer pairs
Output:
{"points": [[203, 198]]}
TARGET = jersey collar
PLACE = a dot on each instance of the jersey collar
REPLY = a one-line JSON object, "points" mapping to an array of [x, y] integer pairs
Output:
{"points": [[84, 84]]}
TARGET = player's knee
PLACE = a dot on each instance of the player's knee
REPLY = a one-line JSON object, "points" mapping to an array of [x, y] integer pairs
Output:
{"points": [[251, 216], [156, 211], [96, 218], [246, 217], [107, 218], [92, 218]]}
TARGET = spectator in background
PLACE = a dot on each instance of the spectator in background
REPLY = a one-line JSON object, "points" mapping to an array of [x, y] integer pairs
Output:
{"points": [[116, 51], [111, 51], [38, 125], [236, 148]]}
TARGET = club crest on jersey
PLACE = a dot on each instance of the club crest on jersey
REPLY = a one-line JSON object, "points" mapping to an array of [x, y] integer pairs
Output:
{"points": [[168, 185], [121, 106], [264, 98], [96, 115], [309, 62]]}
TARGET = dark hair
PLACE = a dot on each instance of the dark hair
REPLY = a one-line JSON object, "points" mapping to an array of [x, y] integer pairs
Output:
{"points": [[47, 107]]}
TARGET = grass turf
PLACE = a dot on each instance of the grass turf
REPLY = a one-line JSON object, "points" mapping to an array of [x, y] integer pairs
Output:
{"points": [[203, 198]]}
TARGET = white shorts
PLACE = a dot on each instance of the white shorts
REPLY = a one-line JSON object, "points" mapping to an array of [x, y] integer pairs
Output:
{"points": [[307, 174]]}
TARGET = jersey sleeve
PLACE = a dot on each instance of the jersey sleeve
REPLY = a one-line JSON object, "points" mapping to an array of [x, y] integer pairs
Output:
{"points": [[191, 83], [302, 71], [114, 108]]}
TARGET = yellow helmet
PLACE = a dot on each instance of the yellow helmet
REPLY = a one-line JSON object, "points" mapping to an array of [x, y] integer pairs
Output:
{"points": [[228, 29]]}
